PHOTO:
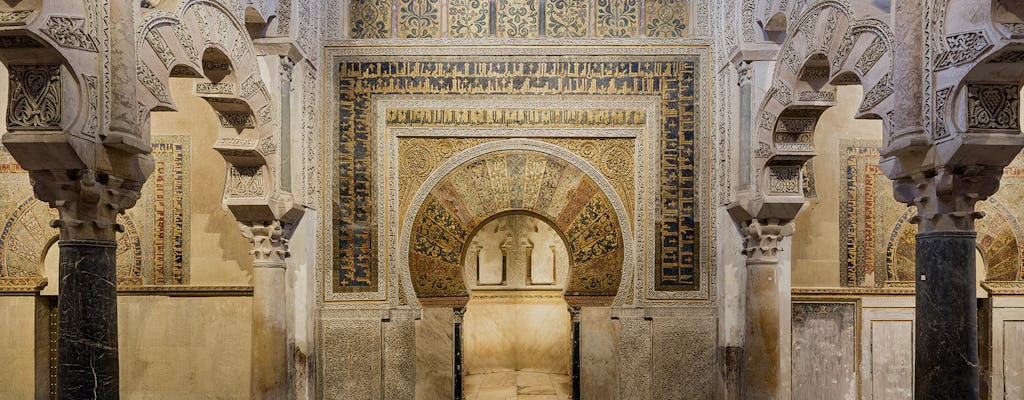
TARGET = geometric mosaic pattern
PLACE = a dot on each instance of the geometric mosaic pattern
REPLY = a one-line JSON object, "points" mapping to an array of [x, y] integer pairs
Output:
{"points": [[372, 19], [153, 249], [877, 240], [670, 78]]}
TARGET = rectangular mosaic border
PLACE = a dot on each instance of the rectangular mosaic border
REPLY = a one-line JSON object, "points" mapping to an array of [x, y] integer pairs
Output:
{"points": [[699, 54]]}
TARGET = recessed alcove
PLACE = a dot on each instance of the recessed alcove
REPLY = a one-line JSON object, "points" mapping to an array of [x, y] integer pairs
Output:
{"points": [[517, 329]]}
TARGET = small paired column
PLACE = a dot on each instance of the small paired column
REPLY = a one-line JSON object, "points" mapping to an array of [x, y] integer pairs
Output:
{"points": [[269, 362], [575, 313], [761, 362], [946, 323], [457, 382]]}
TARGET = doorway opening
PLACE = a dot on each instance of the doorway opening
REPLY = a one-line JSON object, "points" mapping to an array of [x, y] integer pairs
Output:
{"points": [[517, 328]]}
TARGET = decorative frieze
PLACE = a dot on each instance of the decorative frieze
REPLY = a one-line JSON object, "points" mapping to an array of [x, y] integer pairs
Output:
{"points": [[185, 38], [566, 18], [468, 18], [419, 18], [159, 45], [236, 120], [617, 18], [993, 106], [521, 118], [18, 42], [14, 17], [962, 48], [69, 32], [811, 95], [667, 18], [202, 88], [783, 179], [268, 146], [871, 55], [371, 19], [879, 92], [35, 97], [153, 83], [782, 93], [939, 125], [516, 18], [91, 127], [247, 181], [264, 114]]}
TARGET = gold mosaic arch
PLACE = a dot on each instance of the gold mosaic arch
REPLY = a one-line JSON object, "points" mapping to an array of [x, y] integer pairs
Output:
{"points": [[524, 181], [999, 241], [26, 235]]}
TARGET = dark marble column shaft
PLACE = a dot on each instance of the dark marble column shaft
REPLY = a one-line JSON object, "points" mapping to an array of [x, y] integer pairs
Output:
{"points": [[575, 313], [459, 312], [946, 327], [87, 365], [761, 358]]}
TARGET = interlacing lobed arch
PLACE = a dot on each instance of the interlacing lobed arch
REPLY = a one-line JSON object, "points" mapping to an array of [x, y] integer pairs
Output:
{"points": [[824, 46]]}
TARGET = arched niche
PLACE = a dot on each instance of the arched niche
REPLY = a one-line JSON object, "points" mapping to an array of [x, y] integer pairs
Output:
{"points": [[523, 176], [516, 250]]}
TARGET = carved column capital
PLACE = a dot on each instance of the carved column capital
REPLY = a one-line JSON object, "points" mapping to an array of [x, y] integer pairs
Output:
{"points": [[88, 202], [458, 313], [745, 72], [575, 313], [762, 239], [286, 68], [269, 242], [945, 197]]}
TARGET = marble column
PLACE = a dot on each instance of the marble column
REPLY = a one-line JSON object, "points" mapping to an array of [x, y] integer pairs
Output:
{"points": [[269, 360], [946, 320], [761, 363], [88, 205], [459, 314], [575, 313], [87, 365]]}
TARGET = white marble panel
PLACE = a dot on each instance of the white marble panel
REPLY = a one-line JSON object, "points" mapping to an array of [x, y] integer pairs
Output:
{"points": [[892, 359], [599, 354], [435, 354], [824, 350], [516, 331], [1013, 359]]}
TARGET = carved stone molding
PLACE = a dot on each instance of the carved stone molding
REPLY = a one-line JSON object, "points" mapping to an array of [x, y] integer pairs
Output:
{"points": [[962, 48], [993, 106], [269, 242], [88, 203], [69, 32], [945, 198], [35, 97], [247, 181], [14, 17], [762, 239]]}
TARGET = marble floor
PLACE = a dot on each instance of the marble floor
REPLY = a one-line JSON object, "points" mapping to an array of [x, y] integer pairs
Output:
{"points": [[518, 385]]}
